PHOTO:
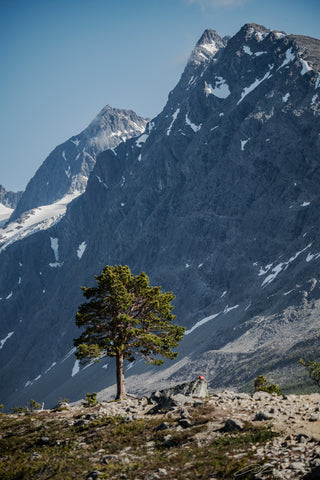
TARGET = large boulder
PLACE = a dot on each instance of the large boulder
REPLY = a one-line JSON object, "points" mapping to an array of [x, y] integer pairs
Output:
{"points": [[178, 395]]}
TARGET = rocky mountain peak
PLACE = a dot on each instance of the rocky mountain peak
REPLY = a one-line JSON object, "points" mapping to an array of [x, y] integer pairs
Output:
{"points": [[207, 47], [209, 36], [66, 170], [253, 29]]}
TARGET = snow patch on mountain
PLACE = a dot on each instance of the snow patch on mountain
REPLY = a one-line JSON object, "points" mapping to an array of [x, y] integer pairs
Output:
{"points": [[54, 242], [312, 256], [220, 89], [40, 218], [76, 368], [253, 86], [305, 67], [141, 140], [174, 118], [243, 143], [247, 50], [202, 322], [81, 249], [278, 34], [51, 367], [3, 341], [210, 47], [290, 57], [5, 214], [282, 266], [194, 127]]}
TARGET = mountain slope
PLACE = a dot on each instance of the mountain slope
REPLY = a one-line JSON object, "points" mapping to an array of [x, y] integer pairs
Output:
{"points": [[218, 201], [66, 170], [8, 201]]}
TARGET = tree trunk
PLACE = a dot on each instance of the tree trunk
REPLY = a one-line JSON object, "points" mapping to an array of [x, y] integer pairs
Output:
{"points": [[121, 388]]}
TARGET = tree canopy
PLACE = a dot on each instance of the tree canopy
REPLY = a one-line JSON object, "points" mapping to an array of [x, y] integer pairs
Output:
{"points": [[126, 317]]}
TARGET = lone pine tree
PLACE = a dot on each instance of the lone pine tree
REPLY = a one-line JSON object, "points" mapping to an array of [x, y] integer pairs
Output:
{"points": [[126, 317]]}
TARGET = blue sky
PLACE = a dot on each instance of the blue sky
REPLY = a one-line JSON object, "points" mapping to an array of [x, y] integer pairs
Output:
{"points": [[64, 60]]}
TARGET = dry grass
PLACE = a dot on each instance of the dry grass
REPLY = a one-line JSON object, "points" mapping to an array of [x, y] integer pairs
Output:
{"points": [[49, 445]]}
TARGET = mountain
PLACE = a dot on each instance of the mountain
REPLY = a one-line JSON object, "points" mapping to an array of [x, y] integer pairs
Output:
{"points": [[64, 174], [218, 201], [65, 171]]}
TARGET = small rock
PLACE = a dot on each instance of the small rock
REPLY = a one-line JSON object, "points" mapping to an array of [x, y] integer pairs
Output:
{"points": [[185, 423], [233, 425], [94, 475], [184, 413], [314, 417], [62, 405], [261, 396], [262, 416], [242, 396], [302, 438], [297, 466], [277, 474], [313, 475], [79, 423], [91, 416], [162, 426], [35, 455], [163, 471], [44, 441]]}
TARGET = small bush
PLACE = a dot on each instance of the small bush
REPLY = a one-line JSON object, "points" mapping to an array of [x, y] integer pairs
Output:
{"points": [[313, 370], [90, 400], [20, 409], [34, 405], [261, 384]]}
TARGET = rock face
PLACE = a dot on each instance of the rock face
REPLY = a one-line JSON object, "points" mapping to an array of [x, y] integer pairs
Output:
{"points": [[217, 201], [178, 395], [67, 168], [9, 199]]}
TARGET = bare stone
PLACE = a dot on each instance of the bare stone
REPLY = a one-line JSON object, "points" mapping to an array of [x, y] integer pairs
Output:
{"points": [[262, 416], [233, 425]]}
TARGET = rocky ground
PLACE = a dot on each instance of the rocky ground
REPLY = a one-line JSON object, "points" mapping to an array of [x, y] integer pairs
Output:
{"points": [[168, 435]]}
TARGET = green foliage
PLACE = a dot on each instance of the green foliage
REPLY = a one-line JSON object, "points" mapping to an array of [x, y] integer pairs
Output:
{"points": [[20, 409], [1, 406], [90, 400], [34, 405], [313, 368], [126, 317], [261, 384]]}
